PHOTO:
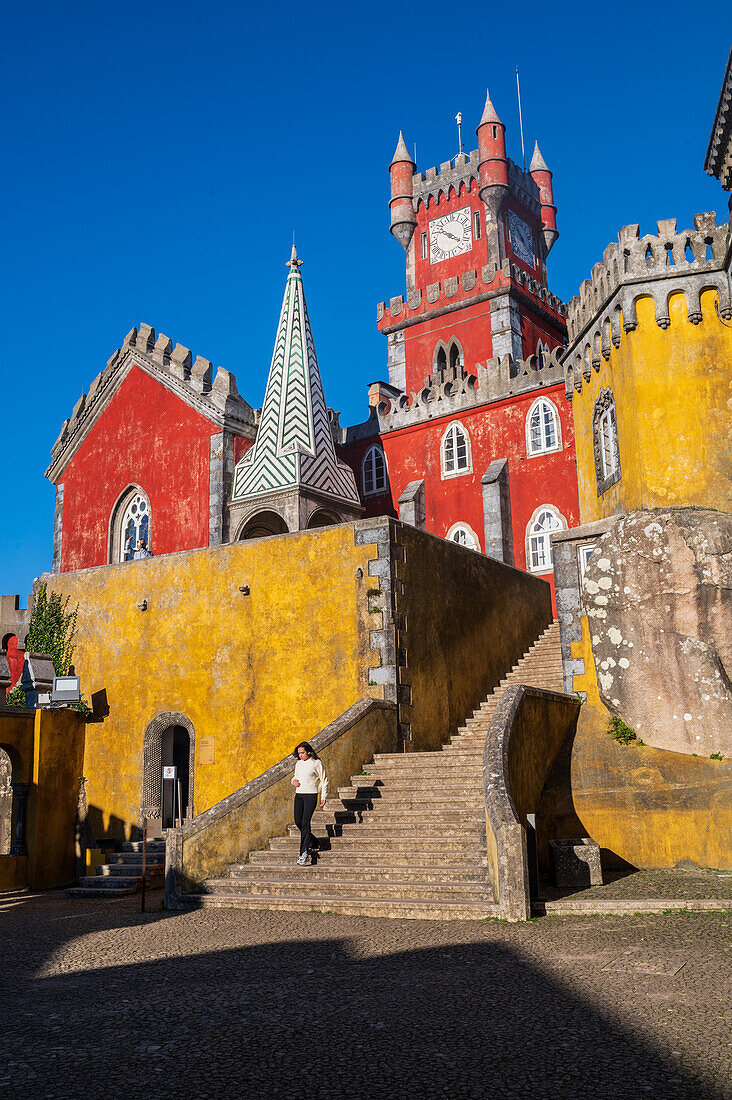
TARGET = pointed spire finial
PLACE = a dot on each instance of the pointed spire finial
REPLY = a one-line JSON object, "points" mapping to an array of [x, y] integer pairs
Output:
{"points": [[489, 112], [401, 153], [538, 164], [293, 261]]}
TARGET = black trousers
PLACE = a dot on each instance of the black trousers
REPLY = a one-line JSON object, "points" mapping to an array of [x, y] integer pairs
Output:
{"points": [[304, 808]]}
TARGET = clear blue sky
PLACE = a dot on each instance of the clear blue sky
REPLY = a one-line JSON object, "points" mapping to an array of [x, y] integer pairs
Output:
{"points": [[157, 157]]}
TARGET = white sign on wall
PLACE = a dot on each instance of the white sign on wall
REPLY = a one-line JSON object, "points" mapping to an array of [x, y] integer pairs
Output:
{"points": [[168, 772]]}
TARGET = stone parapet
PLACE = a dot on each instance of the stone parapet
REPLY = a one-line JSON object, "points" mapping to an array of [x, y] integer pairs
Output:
{"points": [[462, 171], [656, 266], [457, 390], [459, 290], [213, 394]]}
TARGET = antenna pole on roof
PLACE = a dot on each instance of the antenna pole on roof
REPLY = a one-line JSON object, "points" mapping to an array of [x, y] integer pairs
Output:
{"points": [[521, 121]]}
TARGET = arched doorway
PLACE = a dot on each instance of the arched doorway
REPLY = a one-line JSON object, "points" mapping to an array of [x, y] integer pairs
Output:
{"points": [[263, 525], [169, 741]]}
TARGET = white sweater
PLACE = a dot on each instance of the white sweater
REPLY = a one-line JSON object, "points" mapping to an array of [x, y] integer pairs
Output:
{"points": [[311, 774]]}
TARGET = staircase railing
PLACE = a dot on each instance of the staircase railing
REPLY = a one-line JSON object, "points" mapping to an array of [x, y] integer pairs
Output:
{"points": [[246, 819]]}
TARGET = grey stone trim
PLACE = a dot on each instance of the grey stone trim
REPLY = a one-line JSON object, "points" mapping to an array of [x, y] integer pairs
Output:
{"points": [[654, 266], [152, 762], [568, 590], [383, 639], [539, 299], [174, 869], [58, 517], [506, 327], [497, 527], [512, 887], [396, 360], [221, 476], [412, 505], [605, 402], [718, 161], [215, 396], [456, 389]]}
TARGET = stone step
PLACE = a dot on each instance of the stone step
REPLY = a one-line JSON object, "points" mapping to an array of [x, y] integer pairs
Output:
{"points": [[304, 886], [397, 829], [415, 843], [324, 871], [450, 785], [404, 759], [126, 871], [390, 800], [388, 813], [94, 892], [434, 766], [132, 859], [355, 907], [136, 846], [368, 856]]}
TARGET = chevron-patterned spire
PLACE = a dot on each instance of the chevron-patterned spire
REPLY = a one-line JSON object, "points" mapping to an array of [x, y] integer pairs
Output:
{"points": [[294, 446]]}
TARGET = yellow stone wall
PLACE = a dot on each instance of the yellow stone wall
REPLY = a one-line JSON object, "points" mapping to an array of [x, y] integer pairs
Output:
{"points": [[256, 673], [673, 399]]}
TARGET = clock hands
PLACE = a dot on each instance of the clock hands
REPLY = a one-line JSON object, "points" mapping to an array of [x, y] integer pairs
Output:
{"points": [[450, 235]]}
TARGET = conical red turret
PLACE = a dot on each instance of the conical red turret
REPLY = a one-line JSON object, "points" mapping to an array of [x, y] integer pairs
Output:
{"points": [[403, 215], [492, 162], [542, 177]]}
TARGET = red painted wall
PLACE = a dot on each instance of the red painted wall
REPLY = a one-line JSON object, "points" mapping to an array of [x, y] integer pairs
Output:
{"points": [[16, 658], [496, 431], [149, 437]]}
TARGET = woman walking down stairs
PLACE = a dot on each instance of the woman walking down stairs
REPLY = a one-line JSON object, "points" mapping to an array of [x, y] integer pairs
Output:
{"points": [[405, 839]]}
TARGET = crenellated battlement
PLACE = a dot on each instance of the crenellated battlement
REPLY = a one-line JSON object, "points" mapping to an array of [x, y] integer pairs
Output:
{"points": [[463, 171], [668, 254], [193, 379], [459, 290], [456, 390], [655, 266]]}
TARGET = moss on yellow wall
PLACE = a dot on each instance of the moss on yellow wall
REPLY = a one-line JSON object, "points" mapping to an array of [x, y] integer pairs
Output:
{"points": [[255, 673], [674, 415]]}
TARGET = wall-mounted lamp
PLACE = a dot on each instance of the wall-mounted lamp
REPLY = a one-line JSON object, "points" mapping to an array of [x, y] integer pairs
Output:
{"points": [[244, 589]]}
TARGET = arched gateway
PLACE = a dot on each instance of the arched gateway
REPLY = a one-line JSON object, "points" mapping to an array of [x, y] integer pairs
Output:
{"points": [[168, 740]]}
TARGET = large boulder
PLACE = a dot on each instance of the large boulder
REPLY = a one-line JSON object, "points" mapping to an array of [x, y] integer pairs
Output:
{"points": [[657, 594]]}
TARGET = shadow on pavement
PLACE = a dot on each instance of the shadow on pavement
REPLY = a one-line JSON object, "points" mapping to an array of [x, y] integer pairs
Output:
{"points": [[294, 1019]]}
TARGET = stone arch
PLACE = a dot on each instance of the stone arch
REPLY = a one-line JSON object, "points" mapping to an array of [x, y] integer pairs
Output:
{"points": [[323, 517], [262, 525], [152, 762], [114, 536]]}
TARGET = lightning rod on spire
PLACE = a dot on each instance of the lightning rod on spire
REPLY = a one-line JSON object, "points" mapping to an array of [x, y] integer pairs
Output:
{"points": [[459, 120], [521, 121]]}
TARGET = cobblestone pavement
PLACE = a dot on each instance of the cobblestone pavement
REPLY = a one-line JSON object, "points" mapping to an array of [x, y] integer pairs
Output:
{"points": [[687, 884], [98, 1000]]}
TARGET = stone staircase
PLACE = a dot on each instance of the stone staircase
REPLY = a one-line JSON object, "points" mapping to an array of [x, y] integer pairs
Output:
{"points": [[405, 839], [123, 874]]}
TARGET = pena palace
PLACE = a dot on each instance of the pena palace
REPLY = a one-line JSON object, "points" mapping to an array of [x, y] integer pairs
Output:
{"points": [[469, 437]]}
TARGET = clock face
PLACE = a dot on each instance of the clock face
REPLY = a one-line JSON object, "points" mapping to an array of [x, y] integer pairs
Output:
{"points": [[450, 235], [522, 239]]}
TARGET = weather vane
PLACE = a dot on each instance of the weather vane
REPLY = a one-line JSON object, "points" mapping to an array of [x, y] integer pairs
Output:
{"points": [[459, 120]]}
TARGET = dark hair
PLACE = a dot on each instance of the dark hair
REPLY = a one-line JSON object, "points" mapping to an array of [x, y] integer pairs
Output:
{"points": [[308, 749]]}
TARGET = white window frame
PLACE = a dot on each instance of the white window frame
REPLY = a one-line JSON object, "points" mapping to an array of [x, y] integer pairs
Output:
{"points": [[131, 511], [423, 246], [532, 451], [378, 490], [452, 429], [584, 553], [476, 225], [471, 540], [608, 445], [561, 525]]}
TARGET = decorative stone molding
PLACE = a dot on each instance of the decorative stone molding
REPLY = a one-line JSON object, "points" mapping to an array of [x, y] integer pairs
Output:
{"points": [[152, 762], [652, 266], [605, 402]]}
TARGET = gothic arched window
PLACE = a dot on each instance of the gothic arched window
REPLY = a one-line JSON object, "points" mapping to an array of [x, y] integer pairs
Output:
{"points": [[543, 430], [441, 360], [545, 520], [374, 471], [456, 359], [456, 457], [463, 535], [605, 441], [131, 521]]}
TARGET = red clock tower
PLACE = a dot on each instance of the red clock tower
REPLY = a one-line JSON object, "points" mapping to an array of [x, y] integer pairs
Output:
{"points": [[475, 438]]}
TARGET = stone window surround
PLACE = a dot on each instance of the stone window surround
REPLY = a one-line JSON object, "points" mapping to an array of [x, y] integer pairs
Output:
{"points": [[548, 534], [114, 533], [378, 490], [605, 404], [468, 531], [457, 472], [558, 446]]}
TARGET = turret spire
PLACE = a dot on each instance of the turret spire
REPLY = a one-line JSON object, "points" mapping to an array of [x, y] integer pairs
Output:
{"points": [[401, 153], [403, 215], [538, 164], [293, 261], [489, 112]]}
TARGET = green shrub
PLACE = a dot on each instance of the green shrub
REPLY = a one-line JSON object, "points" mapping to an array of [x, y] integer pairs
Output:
{"points": [[623, 734]]}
